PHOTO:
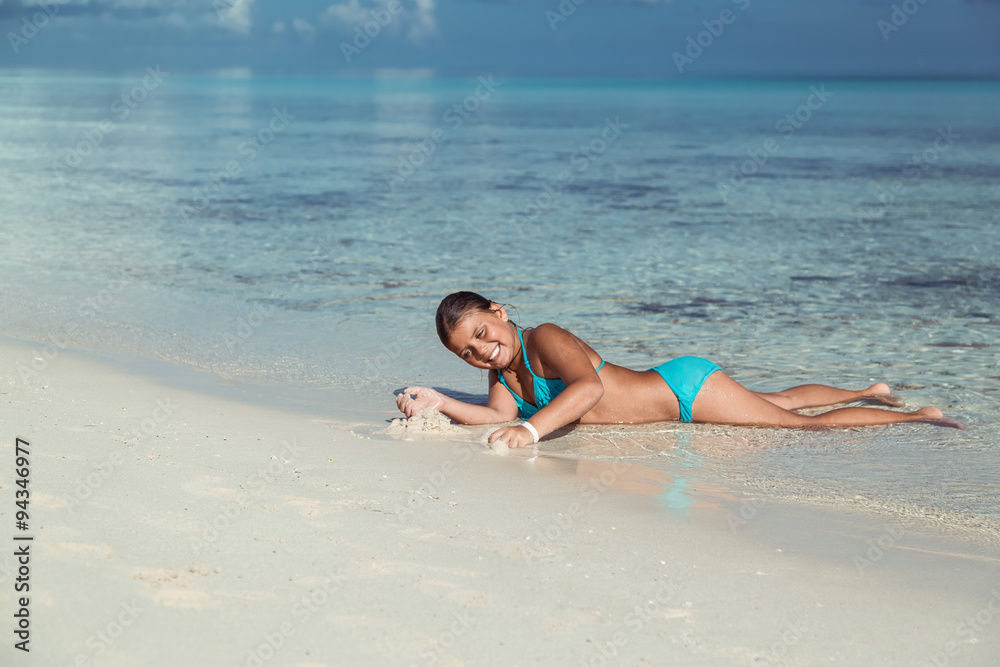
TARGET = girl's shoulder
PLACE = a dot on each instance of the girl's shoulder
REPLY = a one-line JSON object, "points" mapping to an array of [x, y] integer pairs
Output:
{"points": [[549, 330], [554, 350], [549, 335]]}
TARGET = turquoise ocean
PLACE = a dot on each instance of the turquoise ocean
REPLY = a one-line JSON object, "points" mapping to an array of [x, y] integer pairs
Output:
{"points": [[298, 233]]}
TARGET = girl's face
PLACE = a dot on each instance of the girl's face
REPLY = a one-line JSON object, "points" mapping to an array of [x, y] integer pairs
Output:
{"points": [[485, 339]]}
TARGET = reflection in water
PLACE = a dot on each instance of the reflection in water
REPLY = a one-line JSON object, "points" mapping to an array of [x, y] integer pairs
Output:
{"points": [[676, 496], [872, 468], [678, 482]]}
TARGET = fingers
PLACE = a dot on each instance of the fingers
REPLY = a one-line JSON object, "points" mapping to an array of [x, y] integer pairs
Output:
{"points": [[431, 398], [414, 400], [508, 435], [409, 401]]}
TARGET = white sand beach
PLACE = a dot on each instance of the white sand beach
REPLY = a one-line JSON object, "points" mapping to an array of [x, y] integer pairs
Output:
{"points": [[173, 527]]}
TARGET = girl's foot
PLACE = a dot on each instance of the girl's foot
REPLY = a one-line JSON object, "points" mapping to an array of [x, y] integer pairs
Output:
{"points": [[934, 416], [880, 394]]}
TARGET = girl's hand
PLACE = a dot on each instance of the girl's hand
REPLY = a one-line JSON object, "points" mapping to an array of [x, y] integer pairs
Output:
{"points": [[513, 436], [414, 400]]}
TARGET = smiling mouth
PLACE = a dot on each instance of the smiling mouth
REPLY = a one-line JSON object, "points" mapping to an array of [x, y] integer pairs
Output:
{"points": [[496, 353]]}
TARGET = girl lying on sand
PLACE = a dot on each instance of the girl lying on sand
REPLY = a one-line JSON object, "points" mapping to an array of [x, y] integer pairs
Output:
{"points": [[550, 378]]}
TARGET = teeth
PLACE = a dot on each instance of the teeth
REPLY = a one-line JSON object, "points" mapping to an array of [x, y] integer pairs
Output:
{"points": [[495, 353]]}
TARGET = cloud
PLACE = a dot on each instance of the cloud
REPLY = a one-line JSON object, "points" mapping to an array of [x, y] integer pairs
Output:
{"points": [[346, 15], [233, 15], [424, 23], [121, 9], [417, 19], [305, 31]]}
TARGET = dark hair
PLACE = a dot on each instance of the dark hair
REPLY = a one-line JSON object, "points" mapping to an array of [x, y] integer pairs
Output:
{"points": [[454, 308]]}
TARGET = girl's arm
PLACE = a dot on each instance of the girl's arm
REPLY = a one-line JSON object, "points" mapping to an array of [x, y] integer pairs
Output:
{"points": [[500, 405], [563, 357]]}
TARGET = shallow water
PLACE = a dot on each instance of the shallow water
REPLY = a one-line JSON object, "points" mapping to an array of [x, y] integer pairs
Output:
{"points": [[841, 258]]}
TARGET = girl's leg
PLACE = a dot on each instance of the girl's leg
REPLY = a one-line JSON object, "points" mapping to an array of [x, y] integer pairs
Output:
{"points": [[818, 395], [723, 400]]}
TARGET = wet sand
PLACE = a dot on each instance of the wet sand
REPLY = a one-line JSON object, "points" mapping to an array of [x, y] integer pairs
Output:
{"points": [[180, 527]]}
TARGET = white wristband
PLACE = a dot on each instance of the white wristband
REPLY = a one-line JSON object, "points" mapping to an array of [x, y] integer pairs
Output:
{"points": [[531, 429]]}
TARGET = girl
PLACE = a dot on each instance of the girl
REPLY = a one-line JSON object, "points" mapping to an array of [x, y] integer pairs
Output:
{"points": [[550, 378]]}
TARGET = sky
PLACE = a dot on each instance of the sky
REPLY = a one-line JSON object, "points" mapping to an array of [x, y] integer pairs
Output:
{"points": [[645, 38]]}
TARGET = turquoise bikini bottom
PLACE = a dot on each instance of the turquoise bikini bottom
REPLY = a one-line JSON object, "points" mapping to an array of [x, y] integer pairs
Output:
{"points": [[685, 376]]}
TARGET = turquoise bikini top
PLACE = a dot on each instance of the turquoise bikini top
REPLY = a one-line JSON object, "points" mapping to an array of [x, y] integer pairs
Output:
{"points": [[545, 389]]}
